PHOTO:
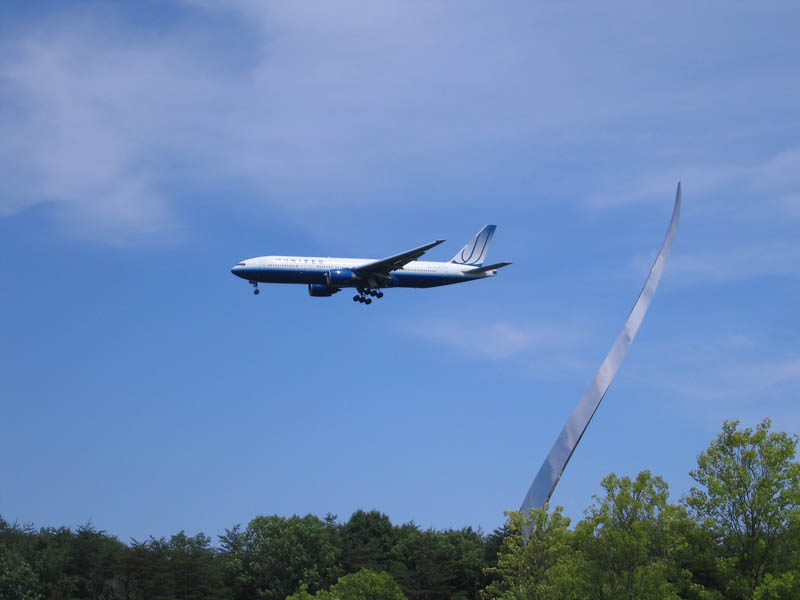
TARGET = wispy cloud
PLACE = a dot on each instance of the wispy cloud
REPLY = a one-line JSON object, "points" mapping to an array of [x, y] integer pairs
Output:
{"points": [[746, 390], [339, 106], [737, 262], [735, 376], [767, 187], [791, 205], [83, 107], [503, 339]]}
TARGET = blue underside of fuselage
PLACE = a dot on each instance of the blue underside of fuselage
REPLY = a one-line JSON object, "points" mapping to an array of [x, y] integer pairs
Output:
{"points": [[399, 279]]}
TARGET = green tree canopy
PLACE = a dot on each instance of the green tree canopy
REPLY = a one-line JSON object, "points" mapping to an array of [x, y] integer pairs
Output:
{"points": [[430, 565], [94, 561], [629, 537], [363, 585], [18, 581], [544, 566], [750, 497], [274, 556], [182, 567], [367, 540]]}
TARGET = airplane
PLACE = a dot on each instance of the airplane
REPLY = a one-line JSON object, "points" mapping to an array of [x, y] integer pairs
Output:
{"points": [[328, 276]]}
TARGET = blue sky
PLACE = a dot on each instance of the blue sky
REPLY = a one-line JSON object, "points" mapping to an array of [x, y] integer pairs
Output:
{"points": [[147, 147]]}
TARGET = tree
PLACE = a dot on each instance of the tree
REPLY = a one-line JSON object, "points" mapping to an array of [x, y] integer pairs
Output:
{"points": [[52, 560], [183, 567], [274, 556], [784, 587], [546, 565], [750, 498], [367, 540], [146, 570], [695, 555], [365, 584], [630, 537], [18, 581], [468, 562], [430, 564], [196, 572], [95, 560]]}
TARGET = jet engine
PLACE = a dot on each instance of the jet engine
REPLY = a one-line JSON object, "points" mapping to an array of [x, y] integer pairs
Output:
{"points": [[320, 290], [342, 277]]}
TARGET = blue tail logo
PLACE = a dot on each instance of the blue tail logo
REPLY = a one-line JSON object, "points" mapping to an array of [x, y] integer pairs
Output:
{"points": [[474, 253]]}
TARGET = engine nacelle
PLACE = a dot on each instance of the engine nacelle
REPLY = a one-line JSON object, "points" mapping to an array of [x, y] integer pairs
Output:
{"points": [[320, 290], [342, 277]]}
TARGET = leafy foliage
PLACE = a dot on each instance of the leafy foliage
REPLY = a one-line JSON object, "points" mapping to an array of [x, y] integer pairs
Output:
{"points": [[431, 565], [274, 556], [18, 581], [367, 541], [734, 536], [749, 500], [546, 565], [363, 584], [628, 537]]}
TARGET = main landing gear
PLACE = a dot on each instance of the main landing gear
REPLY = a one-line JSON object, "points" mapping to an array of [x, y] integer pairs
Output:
{"points": [[256, 291], [364, 292]]}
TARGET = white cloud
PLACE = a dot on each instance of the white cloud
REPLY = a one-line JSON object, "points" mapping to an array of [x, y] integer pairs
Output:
{"points": [[715, 377], [736, 263], [748, 390], [731, 380], [791, 205], [335, 104], [758, 189], [81, 126], [782, 170], [497, 340]]}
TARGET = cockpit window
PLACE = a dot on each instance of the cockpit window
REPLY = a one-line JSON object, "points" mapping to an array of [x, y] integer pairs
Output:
{"points": [[241, 264]]}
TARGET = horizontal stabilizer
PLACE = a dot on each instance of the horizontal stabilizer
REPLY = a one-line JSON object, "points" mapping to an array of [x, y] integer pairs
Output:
{"points": [[486, 268]]}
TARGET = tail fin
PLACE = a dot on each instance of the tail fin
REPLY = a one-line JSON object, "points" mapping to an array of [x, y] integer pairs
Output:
{"points": [[474, 253]]}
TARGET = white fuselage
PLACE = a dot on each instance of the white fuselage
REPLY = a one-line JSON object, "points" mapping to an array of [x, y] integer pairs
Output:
{"points": [[326, 276], [318, 270]]}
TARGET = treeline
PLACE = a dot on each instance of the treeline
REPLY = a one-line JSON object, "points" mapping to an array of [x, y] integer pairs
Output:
{"points": [[736, 535], [273, 557]]}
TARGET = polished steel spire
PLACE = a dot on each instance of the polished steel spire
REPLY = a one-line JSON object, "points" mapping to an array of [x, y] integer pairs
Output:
{"points": [[550, 472]]}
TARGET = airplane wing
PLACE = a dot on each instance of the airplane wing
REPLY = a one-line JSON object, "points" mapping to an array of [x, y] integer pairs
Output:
{"points": [[391, 263]]}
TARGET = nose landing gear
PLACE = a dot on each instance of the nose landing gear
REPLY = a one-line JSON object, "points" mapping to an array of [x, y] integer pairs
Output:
{"points": [[256, 291]]}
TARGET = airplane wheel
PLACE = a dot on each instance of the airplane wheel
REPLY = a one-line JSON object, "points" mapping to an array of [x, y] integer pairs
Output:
{"points": [[379, 294], [256, 291], [368, 301], [355, 298], [361, 299]]}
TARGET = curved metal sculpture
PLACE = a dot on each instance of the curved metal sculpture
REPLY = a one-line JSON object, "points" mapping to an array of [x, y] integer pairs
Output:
{"points": [[547, 478]]}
